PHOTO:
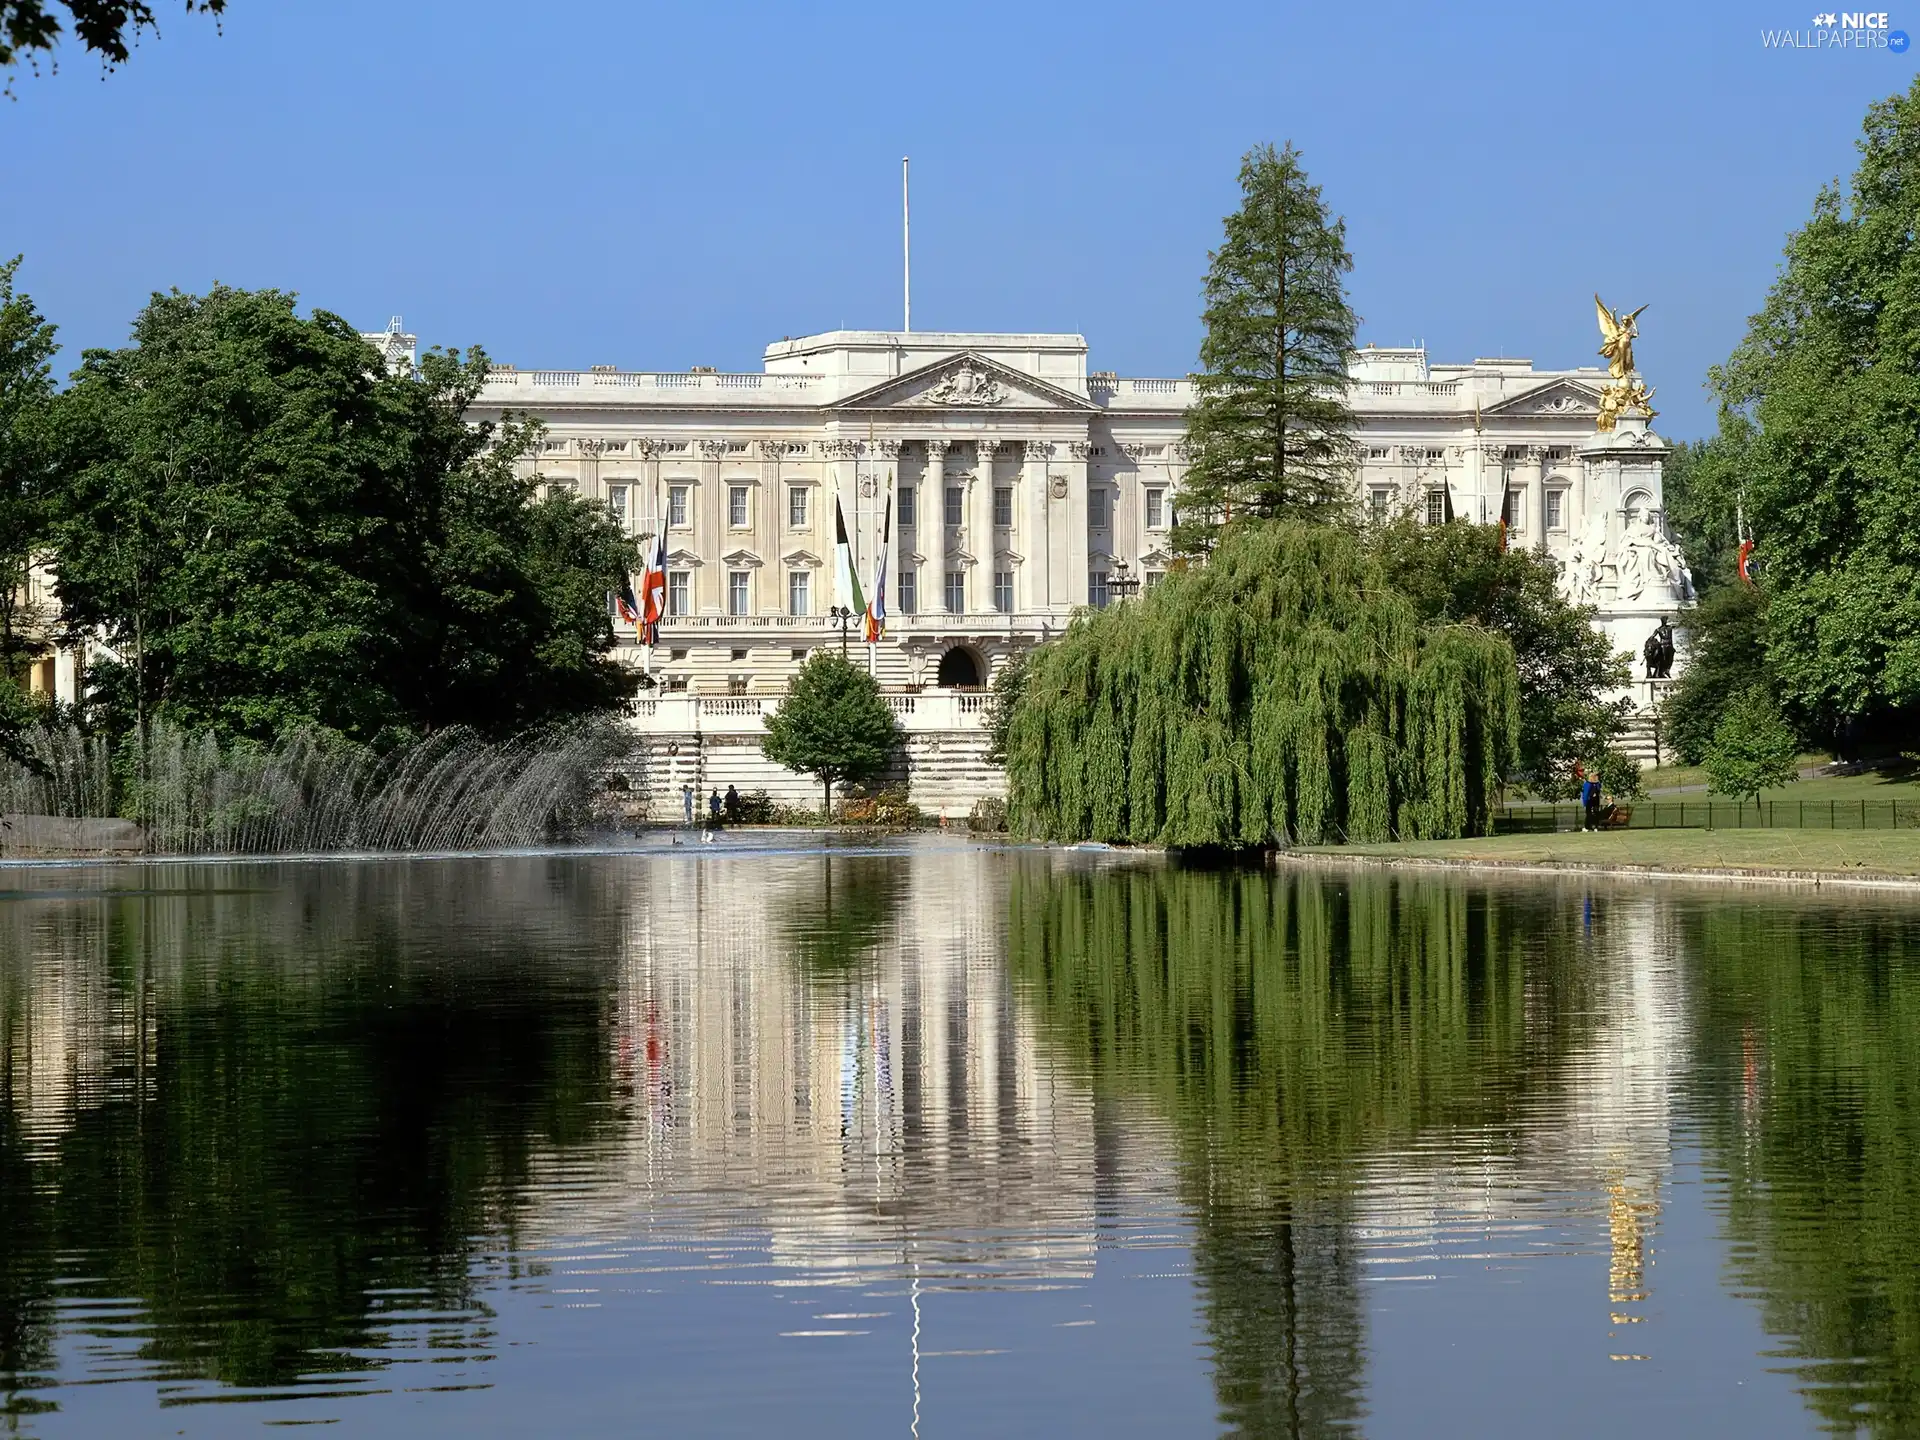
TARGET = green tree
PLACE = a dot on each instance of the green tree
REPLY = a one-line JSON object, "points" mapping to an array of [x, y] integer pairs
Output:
{"points": [[1702, 485], [1009, 684], [1726, 654], [270, 529], [831, 724], [1459, 575], [1753, 748], [1828, 378], [1270, 431], [26, 467], [109, 28], [1283, 692]]}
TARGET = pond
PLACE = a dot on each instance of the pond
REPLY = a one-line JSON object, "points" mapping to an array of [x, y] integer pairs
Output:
{"points": [[931, 1138]]}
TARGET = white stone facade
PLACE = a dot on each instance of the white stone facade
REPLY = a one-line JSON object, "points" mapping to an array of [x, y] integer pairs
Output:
{"points": [[1022, 480]]}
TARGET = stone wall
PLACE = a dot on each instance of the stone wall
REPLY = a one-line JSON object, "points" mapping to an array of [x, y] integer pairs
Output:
{"points": [[945, 772]]}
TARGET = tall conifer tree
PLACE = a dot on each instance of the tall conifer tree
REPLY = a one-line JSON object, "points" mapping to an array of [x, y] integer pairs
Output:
{"points": [[1271, 433]]}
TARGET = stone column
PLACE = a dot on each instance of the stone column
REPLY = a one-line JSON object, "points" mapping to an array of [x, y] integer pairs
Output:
{"points": [[709, 531], [929, 532], [839, 486], [649, 504], [979, 537], [769, 525], [1533, 479], [1030, 586], [1067, 519], [1493, 480]]}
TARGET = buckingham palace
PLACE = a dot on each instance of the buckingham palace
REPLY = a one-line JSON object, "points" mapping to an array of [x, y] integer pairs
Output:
{"points": [[1023, 485]]}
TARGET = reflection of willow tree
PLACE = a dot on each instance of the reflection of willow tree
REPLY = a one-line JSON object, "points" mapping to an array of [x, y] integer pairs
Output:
{"points": [[310, 1098], [1810, 1074], [1290, 1027]]}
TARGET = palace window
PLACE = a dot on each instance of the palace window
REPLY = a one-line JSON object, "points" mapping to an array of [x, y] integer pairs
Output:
{"points": [[798, 593], [677, 596], [737, 684], [1156, 509], [1153, 578], [1097, 589], [1003, 506], [796, 654], [1516, 509], [906, 506], [676, 684], [677, 506], [1003, 591], [909, 585], [739, 654], [1099, 508], [1378, 452], [676, 654], [1380, 501], [956, 592], [797, 506], [1556, 509], [739, 589], [737, 506], [617, 504], [956, 503], [1436, 507]]}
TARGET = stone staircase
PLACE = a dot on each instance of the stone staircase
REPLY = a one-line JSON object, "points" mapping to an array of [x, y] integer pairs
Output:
{"points": [[1643, 740]]}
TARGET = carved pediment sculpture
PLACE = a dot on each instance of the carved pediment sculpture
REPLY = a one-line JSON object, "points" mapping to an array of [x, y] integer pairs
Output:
{"points": [[967, 385]]}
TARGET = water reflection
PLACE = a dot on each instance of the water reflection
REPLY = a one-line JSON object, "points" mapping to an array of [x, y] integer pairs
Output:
{"points": [[949, 1138], [250, 1125], [1808, 1034]]}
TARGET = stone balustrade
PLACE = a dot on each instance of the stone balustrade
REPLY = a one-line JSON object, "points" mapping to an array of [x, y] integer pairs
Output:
{"points": [[918, 712]]}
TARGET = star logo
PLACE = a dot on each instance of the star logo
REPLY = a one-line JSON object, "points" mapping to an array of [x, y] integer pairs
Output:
{"points": [[1826, 19]]}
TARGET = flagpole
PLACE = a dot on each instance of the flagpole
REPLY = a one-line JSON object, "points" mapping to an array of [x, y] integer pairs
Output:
{"points": [[906, 252]]}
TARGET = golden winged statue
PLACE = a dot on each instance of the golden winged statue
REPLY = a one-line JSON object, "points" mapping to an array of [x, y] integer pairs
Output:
{"points": [[1617, 334]]}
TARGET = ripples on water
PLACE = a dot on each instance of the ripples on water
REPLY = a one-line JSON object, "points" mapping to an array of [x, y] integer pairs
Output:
{"points": [[741, 1138]]}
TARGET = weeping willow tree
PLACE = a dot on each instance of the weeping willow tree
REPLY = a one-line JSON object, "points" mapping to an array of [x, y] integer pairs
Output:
{"points": [[1282, 693]]}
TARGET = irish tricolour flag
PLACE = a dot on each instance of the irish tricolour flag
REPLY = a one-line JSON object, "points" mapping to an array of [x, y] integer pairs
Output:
{"points": [[877, 603], [846, 580]]}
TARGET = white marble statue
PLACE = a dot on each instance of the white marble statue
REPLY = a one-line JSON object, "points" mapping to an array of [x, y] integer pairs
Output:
{"points": [[1649, 560]]}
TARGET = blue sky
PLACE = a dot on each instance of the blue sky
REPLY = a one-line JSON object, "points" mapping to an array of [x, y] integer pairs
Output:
{"points": [[669, 185]]}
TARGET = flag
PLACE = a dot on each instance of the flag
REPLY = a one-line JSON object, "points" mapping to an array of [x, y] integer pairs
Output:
{"points": [[877, 603], [1447, 501], [628, 603], [1506, 516], [1746, 561], [653, 587], [846, 579]]}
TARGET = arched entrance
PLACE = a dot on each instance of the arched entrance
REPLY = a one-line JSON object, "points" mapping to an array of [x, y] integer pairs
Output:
{"points": [[959, 670]]}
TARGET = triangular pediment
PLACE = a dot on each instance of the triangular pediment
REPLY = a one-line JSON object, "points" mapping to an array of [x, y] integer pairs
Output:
{"points": [[1157, 559], [1556, 397], [968, 383], [682, 558], [802, 559], [741, 559]]}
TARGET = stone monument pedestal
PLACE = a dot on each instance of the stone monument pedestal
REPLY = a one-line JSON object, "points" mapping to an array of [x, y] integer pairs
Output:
{"points": [[1626, 563]]}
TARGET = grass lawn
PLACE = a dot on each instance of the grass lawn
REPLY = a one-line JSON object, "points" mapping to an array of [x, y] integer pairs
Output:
{"points": [[1874, 852]]}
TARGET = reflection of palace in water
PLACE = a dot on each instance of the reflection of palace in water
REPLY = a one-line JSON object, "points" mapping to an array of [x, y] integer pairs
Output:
{"points": [[1602, 1139], [833, 1040]]}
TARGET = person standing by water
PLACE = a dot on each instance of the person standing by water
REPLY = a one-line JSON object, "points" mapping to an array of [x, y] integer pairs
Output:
{"points": [[1590, 801], [733, 806], [686, 803], [713, 808]]}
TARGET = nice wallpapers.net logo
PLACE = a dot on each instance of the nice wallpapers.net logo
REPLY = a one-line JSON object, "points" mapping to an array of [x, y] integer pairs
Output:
{"points": [[1840, 30]]}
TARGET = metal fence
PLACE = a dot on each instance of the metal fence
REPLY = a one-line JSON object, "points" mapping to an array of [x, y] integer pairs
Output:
{"points": [[1703, 814]]}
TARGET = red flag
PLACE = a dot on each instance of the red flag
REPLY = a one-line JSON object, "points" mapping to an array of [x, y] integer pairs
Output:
{"points": [[1746, 561]]}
